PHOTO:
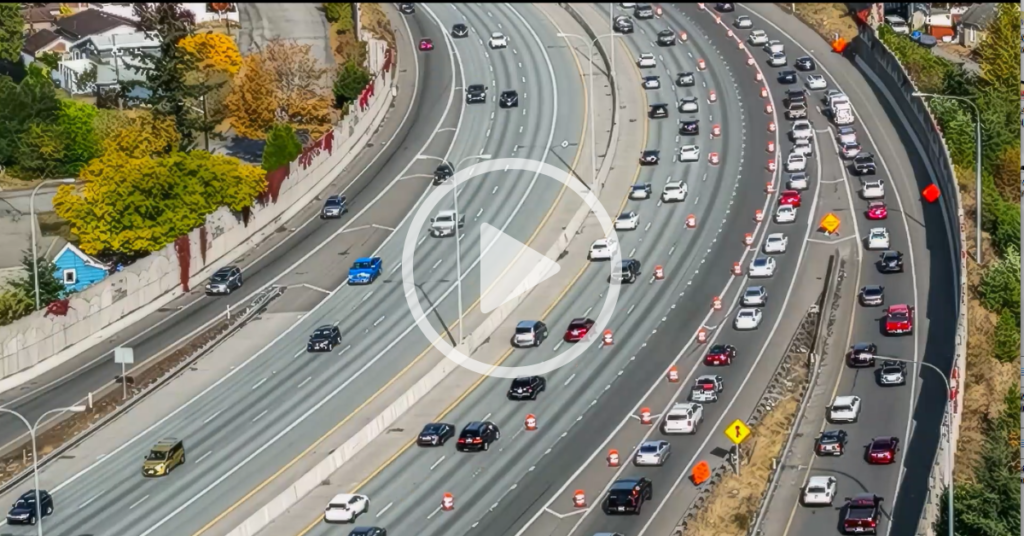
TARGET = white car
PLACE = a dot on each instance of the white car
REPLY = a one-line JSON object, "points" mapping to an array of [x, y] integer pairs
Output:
{"points": [[603, 248], [803, 146], [652, 82], [777, 59], [674, 192], [761, 267], [849, 149], [820, 490], [345, 508], [757, 37], [683, 418], [878, 238], [756, 296], [689, 153], [816, 81], [797, 181], [844, 409], [743, 22], [897, 24], [801, 129], [873, 189], [773, 46], [785, 214], [627, 221], [796, 162], [747, 318], [627, 5], [498, 40], [640, 190], [652, 453], [646, 60], [776, 243], [689, 105], [706, 388]]}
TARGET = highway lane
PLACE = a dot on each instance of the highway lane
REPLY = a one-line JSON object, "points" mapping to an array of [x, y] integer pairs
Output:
{"points": [[408, 489], [275, 401]]}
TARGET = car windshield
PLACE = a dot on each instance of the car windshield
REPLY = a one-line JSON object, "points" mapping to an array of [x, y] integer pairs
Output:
{"points": [[897, 315], [443, 218], [883, 444], [717, 349], [599, 246], [648, 449], [878, 234], [156, 456], [841, 407], [432, 429], [475, 87], [625, 216], [365, 265], [524, 329], [753, 292], [639, 187], [746, 315], [220, 276], [678, 416], [872, 291], [321, 334], [815, 489], [521, 382], [578, 324], [470, 433], [24, 503], [892, 369]]}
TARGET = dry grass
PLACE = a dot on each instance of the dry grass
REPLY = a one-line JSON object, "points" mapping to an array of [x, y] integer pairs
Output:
{"points": [[375, 21], [825, 19]]}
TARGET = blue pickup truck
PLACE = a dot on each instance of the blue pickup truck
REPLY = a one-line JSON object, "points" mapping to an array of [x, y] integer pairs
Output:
{"points": [[365, 270]]}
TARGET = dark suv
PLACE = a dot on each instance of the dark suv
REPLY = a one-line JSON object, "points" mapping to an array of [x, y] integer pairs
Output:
{"points": [[627, 496], [509, 99], [527, 387], [862, 354], [224, 281], [478, 435], [623, 25], [476, 93], [666, 38], [890, 261], [628, 271], [24, 511], [864, 164], [443, 172], [323, 339]]}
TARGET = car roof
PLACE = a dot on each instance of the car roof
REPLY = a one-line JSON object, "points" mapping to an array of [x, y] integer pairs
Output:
{"points": [[526, 323], [342, 498], [652, 443], [674, 184], [690, 147], [473, 87], [475, 425], [898, 308], [497, 34], [761, 260], [818, 480], [776, 236], [831, 434], [640, 186], [706, 378], [166, 443], [652, 151], [861, 346], [508, 91], [747, 311], [365, 259], [580, 321], [646, 55], [884, 439], [845, 399], [627, 214], [879, 230], [683, 406], [626, 483], [447, 212]]}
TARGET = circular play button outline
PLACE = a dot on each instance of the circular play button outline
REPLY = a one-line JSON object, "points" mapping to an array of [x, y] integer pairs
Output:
{"points": [[444, 191]]}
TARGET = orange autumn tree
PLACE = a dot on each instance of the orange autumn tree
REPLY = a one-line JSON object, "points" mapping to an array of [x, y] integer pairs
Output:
{"points": [[213, 51]]}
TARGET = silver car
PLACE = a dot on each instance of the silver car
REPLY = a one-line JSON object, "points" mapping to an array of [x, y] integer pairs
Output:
{"points": [[755, 296], [893, 373], [652, 453]]}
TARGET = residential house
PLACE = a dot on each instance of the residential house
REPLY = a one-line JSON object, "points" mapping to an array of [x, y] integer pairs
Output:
{"points": [[78, 270], [974, 22], [65, 31], [941, 25], [41, 42], [40, 17], [202, 12], [109, 55]]}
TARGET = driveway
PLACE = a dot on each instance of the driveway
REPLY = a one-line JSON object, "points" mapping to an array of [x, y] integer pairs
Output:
{"points": [[302, 22]]}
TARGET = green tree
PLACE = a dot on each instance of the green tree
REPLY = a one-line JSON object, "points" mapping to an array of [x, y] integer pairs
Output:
{"points": [[12, 33], [21, 105], [14, 305], [51, 288], [49, 59], [350, 82], [76, 122], [282, 147], [1000, 285], [41, 152], [1007, 337], [998, 53]]}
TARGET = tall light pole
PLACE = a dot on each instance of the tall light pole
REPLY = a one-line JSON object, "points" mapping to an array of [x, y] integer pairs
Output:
{"points": [[977, 166], [458, 240], [32, 223], [35, 453]]}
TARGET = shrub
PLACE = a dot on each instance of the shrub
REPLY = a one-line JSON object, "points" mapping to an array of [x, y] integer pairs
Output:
{"points": [[1000, 286], [350, 82], [1007, 338], [282, 147]]}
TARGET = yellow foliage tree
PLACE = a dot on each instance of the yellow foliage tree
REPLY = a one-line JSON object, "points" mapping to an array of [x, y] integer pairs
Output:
{"points": [[253, 100], [136, 133], [213, 51]]}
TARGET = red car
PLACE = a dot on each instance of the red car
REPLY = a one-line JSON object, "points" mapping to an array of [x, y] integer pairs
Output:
{"points": [[790, 197], [720, 354], [899, 319], [877, 210], [882, 450], [426, 44], [578, 329], [861, 514]]}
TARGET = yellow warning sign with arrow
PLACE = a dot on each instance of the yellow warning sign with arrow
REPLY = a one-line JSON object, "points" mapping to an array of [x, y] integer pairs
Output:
{"points": [[737, 431]]}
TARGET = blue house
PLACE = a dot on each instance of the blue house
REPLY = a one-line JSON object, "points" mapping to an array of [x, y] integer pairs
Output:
{"points": [[78, 270]]}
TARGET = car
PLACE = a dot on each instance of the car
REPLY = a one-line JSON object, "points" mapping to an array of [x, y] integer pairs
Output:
{"points": [[627, 496], [761, 267], [498, 40], [846, 135], [689, 105], [743, 22], [872, 295], [508, 99], [803, 146], [720, 355], [773, 46], [529, 333], [775, 243], [882, 450], [796, 162], [603, 248], [368, 531], [797, 181], [801, 129], [334, 207], [24, 510], [623, 24], [706, 388], [815, 82], [819, 491], [757, 37], [685, 79], [224, 281], [641, 190], [407, 9], [790, 197], [435, 434], [652, 452], [877, 210], [897, 24], [873, 189], [578, 329], [878, 238], [785, 214], [646, 61], [324, 339], [674, 192], [446, 223], [725, 8], [689, 153], [747, 319], [861, 514], [165, 456], [652, 82], [527, 387], [657, 111], [777, 59], [365, 270], [899, 319], [786, 77], [864, 164], [804, 63], [627, 221], [755, 296], [476, 93], [443, 172], [426, 44], [845, 408], [689, 127], [831, 443], [890, 262], [892, 373], [796, 110], [628, 271], [795, 96], [650, 157], [666, 38], [460, 30], [346, 507], [849, 149], [643, 11], [834, 95], [861, 354], [683, 418], [478, 435]]}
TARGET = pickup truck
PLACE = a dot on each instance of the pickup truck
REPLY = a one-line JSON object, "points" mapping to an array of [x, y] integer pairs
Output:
{"points": [[365, 270], [842, 113], [446, 223], [797, 110]]}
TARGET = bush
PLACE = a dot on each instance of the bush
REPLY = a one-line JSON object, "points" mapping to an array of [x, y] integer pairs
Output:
{"points": [[1007, 338], [349, 83], [1000, 286], [283, 146]]}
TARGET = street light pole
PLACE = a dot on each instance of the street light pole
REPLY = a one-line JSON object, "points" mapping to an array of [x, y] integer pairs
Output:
{"points": [[458, 241], [32, 224]]}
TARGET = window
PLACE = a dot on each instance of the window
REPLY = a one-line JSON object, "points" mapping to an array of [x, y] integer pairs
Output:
{"points": [[70, 276]]}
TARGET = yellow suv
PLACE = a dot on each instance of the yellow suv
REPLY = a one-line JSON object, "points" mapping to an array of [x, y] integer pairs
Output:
{"points": [[167, 454]]}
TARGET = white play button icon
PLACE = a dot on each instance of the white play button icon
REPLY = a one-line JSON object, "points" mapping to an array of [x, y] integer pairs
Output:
{"points": [[508, 268]]}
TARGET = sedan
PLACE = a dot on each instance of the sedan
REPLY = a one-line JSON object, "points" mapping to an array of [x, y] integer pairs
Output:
{"points": [[755, 296], [652, 82], [757, 37], [685, 80], [646, 61], [804, 63], [787, 77], [846, 135], [747, 319], [460, 30], [527, 387], [831, 443], [578, 329], [864, 164], [815, 81], [720, 354], [762, 267], [797, 181], [796, 162], [801, 129], [689, 153], [640, 191], [877, 210], [725, 8], [882, 450], [890, 262], [743, 22], [345, 508], [861, 354], [689, 128], [666, 38], [426, 44], [777, 59], [878, 238], [803, 146], [435, 434], [649, 158], [689, 105], [674, 192], [508, 99], [603, 248], [790, 197], [873, 189], [785, 214], [844, 408], [652, 453], [872, 295], [892, 373], [849, 149], [627, 221], [498, 40], [820, 491], [776, 243]]}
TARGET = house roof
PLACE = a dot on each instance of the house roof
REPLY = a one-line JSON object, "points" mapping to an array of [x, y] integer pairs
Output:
{"points": [[88, 260], [105, 43], [88, 22], [38, 41], [48, 12], [979, 16]]}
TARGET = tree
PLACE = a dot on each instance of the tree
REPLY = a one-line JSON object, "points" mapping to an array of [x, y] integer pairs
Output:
{"points": [[253, 100], [51, 288], [1006, 344], [213, 51], [998, 52], [48, 59], [22, 104], [282, 147], [350, 82], [1000, 286], [76, 122], [14, 305], [136, 133], [87, 80], [41, 152], [12, 32], [344, 21], [1005, 175]]}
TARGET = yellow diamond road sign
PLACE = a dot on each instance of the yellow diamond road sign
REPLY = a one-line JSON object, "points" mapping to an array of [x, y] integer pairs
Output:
{"points": [[737, 431]]}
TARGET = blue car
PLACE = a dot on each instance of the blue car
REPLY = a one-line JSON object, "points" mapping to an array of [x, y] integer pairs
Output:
{"points": [[365, 271]]}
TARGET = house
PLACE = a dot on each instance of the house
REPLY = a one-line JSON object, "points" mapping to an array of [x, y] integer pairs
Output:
{"points": [[78, 270], [89, 23], [202, 12], [41, 42], [941, 25], [111, 56], [974, 22], [39, 17]]}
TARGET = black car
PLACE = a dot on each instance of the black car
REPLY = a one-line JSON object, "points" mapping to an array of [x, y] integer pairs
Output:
{"points": [[334, 207], [460, 30], [443, 172], [666, 38], [628, 271], [862, 354], [890, 261], [804, 63], [685, 79], [24, 510], [643, 11], [831, 443], [689, 127], [368, 531], [623, 24], [657, 111], [478, 435], [408, 9], [323, 339], [892, 373], [527, 387], [435, 434], [476, 93], [864, 164], [509, 99], [872, 295], [224, 281], [725, 8], [627, 496], [650, 157], [795, 96], [787, 77]]}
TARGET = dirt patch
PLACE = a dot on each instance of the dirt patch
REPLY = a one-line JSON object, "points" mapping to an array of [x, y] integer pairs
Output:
{"points": [[375, 21], [825, 19]]}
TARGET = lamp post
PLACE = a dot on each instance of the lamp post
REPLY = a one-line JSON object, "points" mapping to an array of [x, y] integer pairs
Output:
{"points": [[35, 461], [458, 241], [32, 217], [977, 166]]}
